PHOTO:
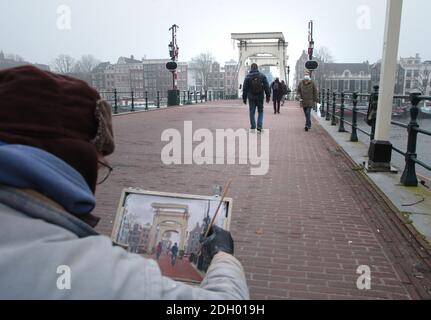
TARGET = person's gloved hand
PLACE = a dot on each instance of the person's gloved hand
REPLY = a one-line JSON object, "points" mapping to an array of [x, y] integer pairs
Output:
{"points": [[245, 101], [217, 240]]}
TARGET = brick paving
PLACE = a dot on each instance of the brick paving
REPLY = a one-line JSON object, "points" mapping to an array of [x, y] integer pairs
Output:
{"points": [[181, 270], [302, 230]]}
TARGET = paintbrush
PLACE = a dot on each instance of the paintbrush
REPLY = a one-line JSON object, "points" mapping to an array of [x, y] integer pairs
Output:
{"points": [[225, 190]]}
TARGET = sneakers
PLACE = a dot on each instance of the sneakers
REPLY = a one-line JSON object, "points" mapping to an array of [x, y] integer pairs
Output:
{"points": [[259, 130], [252, 130]]}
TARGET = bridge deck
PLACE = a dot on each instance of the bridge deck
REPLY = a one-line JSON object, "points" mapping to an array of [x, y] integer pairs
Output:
{"points": [[302, 230]]}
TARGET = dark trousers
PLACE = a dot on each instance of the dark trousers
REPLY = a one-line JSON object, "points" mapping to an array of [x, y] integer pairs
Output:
{"points": [[277, 106], [253, 105], [307, 112]]}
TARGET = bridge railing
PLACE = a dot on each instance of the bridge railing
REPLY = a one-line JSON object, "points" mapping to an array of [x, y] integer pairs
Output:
{"points": [[130, 101], [333, 107]]}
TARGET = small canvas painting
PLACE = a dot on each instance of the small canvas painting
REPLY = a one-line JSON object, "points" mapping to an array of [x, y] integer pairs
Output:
{"points": [[168, 228]]}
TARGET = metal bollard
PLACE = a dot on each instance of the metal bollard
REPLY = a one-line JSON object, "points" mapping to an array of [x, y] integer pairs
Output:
{"points": [[409, 178], [354, 135], [341, 127], [322, 104], [328, 93], [133, 102], [334, 109], [374, 100], [158, 99], [146, 100], [115, 102]]}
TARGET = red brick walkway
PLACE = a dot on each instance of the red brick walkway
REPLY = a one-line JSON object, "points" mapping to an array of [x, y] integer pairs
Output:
{"points": [[302, 230], [181, 270]]}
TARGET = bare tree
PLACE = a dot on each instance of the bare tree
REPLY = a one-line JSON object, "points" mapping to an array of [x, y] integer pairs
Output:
{"points": [[14, 57], [86, 64], [202, 67], [324, 55], [63, 64]]}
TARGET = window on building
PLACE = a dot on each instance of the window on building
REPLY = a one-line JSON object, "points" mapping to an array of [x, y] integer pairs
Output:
{"points": [[409, 73], [364, 86], [408, 84], [346, 85]]}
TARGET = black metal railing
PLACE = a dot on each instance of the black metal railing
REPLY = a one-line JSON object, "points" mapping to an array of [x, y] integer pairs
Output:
{"points": [[131, 101], [332, 108]]}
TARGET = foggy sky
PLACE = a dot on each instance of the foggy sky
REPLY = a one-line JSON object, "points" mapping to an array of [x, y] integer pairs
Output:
{"points": [[109, 29]]}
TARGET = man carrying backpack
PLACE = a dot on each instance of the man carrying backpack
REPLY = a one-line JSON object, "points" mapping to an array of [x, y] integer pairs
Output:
{"points": [[255, 88]]}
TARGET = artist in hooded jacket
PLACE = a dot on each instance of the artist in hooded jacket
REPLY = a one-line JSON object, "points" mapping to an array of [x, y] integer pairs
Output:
{"points": [[55, 132]]}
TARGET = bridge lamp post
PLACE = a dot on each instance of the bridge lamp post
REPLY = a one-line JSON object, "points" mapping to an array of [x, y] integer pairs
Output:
{"points": [[380, 152]]}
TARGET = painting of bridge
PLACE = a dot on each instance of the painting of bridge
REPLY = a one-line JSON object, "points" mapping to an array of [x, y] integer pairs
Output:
{"points": [[168, 228]]}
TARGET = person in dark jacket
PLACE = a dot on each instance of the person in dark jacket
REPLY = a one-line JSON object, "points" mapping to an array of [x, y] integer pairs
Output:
{"points": [[174, 252], [277, 94], [255, 88], [307, 94]]}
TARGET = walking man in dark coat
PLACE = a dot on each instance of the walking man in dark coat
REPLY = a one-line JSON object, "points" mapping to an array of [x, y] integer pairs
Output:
{"points": [[277, 94], [307, 94], [174, 252], [255, 88]]}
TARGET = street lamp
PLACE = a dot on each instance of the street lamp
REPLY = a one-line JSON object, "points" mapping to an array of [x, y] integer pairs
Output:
{"points": [[288, 76]]}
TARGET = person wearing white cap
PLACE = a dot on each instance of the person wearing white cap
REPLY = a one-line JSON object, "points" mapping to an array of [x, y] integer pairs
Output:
{"points": [[307, 94]]}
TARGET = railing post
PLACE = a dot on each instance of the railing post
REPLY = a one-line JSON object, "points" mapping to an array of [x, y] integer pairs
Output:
{"points": [[158, 99], [328, 97], [322, 103], [115, 101], [341, 127], [354, 135], [196, 96], [334, 106], [374, 100], [146, 100], [206, 92], [133, 102], [201, 96], [409, 178]]}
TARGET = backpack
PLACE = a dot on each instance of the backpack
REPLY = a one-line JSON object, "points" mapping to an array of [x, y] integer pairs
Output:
{"points": [[256, 87], [276, 86]]}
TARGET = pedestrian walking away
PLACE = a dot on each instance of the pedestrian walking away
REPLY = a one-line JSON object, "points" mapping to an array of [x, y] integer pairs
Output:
{"points": [[255, 88], [174, 253], [307, 95], [159, 250], [277, 94]]}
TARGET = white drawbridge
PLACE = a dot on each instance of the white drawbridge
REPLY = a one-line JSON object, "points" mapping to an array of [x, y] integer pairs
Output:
{"points": [[263, 48]]}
